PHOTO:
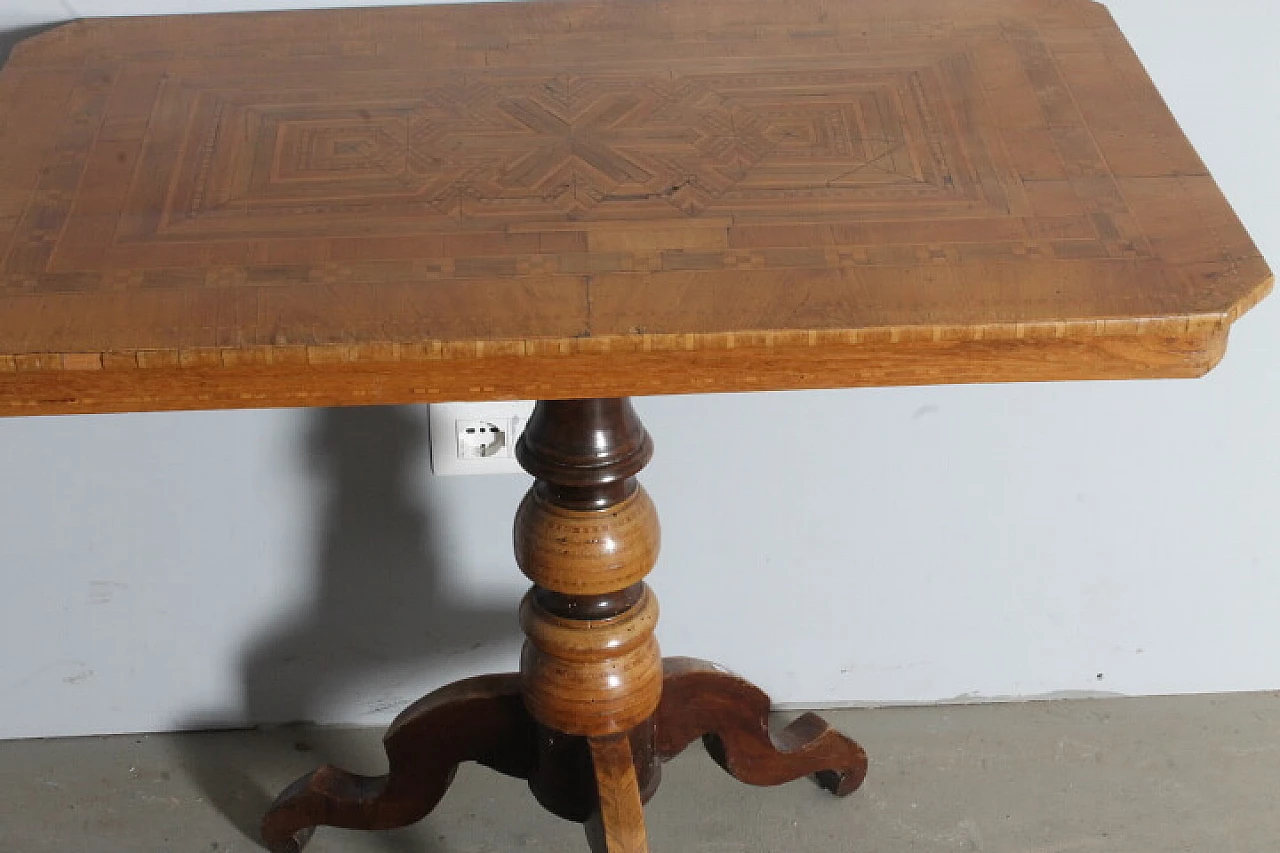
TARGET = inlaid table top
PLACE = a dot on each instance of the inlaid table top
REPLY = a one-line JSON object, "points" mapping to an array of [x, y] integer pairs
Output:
{"points": [[587, 199]]}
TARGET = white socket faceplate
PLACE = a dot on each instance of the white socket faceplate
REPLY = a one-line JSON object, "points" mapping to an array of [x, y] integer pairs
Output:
{"points": [[477, 438]]}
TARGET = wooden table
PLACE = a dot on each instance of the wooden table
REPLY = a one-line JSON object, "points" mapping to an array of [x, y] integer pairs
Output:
{"points": [[577, 202]]}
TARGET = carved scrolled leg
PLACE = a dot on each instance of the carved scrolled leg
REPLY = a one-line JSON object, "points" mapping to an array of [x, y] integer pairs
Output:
{"points": [[700, 699], [594, 710], [479, 719]]}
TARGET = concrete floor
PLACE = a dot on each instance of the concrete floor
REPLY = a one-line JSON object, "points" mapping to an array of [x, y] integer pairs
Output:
{"points": [[1198, 773]]}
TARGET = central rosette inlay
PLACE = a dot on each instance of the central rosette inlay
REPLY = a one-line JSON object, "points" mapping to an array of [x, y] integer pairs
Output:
{"points": [[574, 143], [478, 147]]}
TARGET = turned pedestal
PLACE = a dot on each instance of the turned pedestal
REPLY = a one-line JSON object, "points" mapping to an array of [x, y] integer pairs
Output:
{"points": [[594, 710]]}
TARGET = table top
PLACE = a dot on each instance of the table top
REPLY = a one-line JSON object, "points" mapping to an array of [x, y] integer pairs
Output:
{"points": [[584, 199]]}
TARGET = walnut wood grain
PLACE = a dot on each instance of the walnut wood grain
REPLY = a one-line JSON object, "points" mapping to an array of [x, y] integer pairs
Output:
{"points": [[591, 676], [587, 535], [601, 781], [594, 710], [479, 719], [731, 715], [598, 199], [586, 552], [617, 824]]}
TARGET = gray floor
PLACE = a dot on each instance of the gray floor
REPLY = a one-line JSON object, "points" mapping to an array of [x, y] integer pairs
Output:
{"points": [[1195, 773]]}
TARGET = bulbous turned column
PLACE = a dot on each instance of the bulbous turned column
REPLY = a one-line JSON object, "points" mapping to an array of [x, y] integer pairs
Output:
{"points": [[593, 712], [586, 534]]}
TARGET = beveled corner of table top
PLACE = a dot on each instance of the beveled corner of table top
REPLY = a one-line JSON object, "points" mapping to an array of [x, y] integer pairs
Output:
{"points": [[585, 199]]}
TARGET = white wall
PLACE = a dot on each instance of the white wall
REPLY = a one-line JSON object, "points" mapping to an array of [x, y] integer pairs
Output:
{"points": [[171, 570]]}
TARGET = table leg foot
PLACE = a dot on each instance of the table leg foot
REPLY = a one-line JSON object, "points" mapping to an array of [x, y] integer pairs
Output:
{"points": [[479, 719], [731, 715], [617, 823]]}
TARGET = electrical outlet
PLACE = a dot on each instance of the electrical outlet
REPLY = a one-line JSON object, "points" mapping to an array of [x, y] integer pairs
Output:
{"points": [[481, 439], [477, 438]]}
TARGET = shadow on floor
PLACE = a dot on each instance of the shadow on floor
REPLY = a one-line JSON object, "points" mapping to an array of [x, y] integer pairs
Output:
{"points": [[10, 38], [378, 612]]}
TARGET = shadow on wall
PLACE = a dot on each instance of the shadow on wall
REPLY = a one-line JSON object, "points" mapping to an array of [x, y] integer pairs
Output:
{"points": [[379, 612]]}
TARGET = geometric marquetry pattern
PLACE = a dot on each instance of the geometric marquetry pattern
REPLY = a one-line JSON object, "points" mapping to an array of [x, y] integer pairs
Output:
{"points": [[469, 147], [561, 171], [440, 151]]}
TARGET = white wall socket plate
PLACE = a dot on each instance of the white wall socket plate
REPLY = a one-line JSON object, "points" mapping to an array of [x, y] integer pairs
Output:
{"points": [[477, 438]]}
